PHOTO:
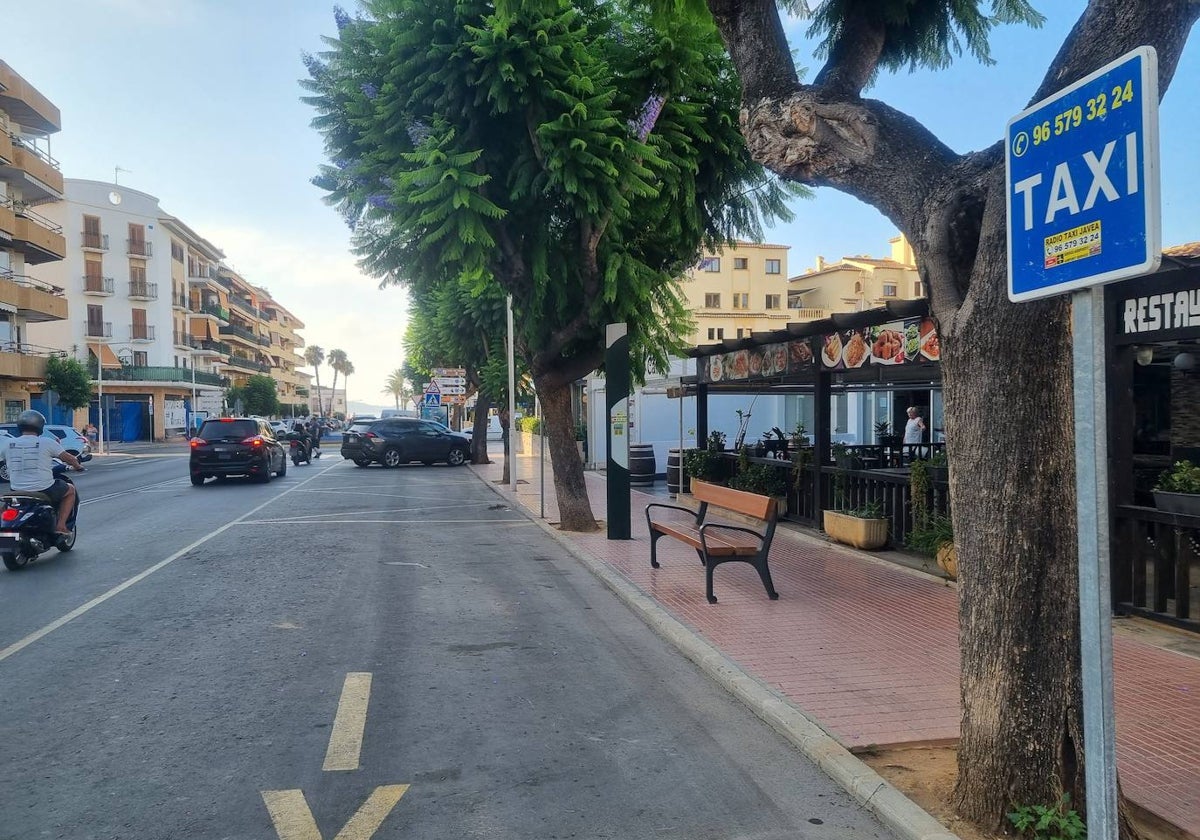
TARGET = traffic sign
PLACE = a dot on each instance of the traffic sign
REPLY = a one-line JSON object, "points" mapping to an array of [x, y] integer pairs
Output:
{"points": [[450, 380], [452, 389], [432, 398], [432, 388], [1082, 181], [449, 371]]}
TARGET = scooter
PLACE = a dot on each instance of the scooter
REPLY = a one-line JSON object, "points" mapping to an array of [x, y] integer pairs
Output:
{"points": [[27, 523], [299, 448]]}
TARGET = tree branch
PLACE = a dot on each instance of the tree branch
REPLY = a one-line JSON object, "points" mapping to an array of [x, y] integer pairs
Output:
{"points": [[754, 36], [854, 57], [1108, 29]]}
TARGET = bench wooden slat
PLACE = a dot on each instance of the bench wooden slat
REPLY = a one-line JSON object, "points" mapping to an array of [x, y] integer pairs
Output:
{"points": [[719, 543], [748, 504]]}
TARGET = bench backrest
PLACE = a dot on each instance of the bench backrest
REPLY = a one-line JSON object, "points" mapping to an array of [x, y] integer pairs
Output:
{"points": [[739, 501]]}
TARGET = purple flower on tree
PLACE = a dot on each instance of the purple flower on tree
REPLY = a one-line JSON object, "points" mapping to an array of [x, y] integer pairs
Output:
{"points": [[315, 68], [340, 18], [369, 90], [380, 201], [648, 116]]}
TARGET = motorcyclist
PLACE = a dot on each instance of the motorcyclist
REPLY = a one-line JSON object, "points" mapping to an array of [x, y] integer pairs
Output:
{"points": [[30, 460], [314, 432], [300, 432]]}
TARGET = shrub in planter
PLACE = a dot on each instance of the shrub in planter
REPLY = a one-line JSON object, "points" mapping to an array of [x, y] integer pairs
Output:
{"points": [[934, 537], [761, 479], [705, 465], [863, 527], [1178, 489]]}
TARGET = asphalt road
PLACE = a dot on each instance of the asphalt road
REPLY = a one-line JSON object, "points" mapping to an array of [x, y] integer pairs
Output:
{"points": [[360, 653]]}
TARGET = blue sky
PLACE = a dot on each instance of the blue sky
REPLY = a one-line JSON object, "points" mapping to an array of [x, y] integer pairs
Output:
{"points": [[200, 100]]}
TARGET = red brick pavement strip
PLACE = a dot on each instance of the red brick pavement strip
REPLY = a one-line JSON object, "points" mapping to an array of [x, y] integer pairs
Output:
{"points": [[870, 650]]}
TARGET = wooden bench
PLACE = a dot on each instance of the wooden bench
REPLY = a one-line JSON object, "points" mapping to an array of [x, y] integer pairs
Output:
{"points": [[720, 542]]}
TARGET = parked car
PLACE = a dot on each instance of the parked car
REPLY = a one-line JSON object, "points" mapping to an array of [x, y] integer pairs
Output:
{"points": [[280, 427], [401, 440], [236, 446], [71, 439]]}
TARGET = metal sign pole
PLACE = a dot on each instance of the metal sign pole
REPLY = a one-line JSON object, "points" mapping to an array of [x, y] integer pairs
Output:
{"points": [[541, 452], [1091, 512], [512, 403]]}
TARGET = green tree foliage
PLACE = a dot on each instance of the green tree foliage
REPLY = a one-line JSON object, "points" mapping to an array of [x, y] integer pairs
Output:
{"points": [[396, 386], [337, 361], [259, 396], [577, 157], [314, 355], [70, 380]]}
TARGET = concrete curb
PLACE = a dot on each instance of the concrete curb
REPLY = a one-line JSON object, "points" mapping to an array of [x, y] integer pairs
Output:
{"points": [[892, 808]]}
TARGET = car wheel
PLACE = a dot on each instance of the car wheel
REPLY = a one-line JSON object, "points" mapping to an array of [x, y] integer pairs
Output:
{"points": [[197, 480], [391, 457], [457, 457], [282, 467], [264, 477], [362, 462]]}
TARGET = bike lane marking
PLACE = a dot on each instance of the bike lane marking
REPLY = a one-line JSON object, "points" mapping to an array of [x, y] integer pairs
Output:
{"points": [[345, 741], [18, 646]]}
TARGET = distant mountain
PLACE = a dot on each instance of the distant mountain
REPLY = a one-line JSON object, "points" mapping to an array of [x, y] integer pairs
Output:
{"points": [[356, 407]]}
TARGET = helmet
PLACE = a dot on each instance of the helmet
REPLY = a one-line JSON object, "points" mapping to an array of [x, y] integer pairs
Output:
{"points": [[31, 421]]}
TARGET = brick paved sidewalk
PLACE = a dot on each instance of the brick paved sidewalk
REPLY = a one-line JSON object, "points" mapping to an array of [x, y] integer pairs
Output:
{"points": [[870, 650]]}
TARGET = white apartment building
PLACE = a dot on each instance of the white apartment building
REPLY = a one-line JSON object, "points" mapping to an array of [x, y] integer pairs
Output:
{"points": [[127, 294]]}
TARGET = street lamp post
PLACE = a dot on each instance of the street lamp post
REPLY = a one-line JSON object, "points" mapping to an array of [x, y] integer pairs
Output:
{"points": [[100, 397]]}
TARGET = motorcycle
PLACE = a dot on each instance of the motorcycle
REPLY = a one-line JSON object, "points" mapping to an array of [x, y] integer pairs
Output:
{"points": [[299, 447], [27, 523]]}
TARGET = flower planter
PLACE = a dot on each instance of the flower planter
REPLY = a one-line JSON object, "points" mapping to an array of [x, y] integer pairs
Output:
{"points": [[868, 534], [1187, 503], [947, 559]]}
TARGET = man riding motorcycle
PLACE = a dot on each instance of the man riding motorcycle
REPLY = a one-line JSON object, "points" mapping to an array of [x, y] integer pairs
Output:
{"points": [[30, 460]]}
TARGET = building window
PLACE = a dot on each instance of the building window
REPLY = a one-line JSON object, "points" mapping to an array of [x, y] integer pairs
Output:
{"points": [[772, 301], [741, 333], [741, 263], [712, 334], [918, 289], [710, 264], [773, 267], [720, 333], [91, 232], [140, 358], [176, 251], [95, 321], [858, 288], [712, 301], [12, 410], [889, 289], [741, 300]]}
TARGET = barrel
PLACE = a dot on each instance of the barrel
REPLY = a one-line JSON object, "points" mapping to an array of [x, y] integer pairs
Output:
{"points": [[674, 471], [641, 464]]}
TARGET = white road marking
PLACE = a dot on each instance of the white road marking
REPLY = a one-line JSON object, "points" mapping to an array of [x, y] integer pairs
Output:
{"points": [[345, 740], [497, 522], [16, 647]]}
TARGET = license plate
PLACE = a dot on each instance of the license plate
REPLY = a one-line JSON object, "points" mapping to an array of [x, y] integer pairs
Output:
{"points": [[8, 538], [223, 456]]}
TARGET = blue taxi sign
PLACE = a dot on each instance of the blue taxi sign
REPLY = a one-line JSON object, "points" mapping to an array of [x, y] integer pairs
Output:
{"points": [[1082, 180]]}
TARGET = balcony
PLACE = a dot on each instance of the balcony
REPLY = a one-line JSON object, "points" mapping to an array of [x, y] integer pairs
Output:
{"points": [[179, 302], [301, 391], [133, 373], [6, 147], [138, 248], [25, 104], [213, 311], [8, 219], [241, 332], [93, 241], [34, 171], [141, 332], [97, 329], [184, 341], [264, 341], [208, 347], [807, 313], [24, 361], [34, 300], [244, 305], [247, 364], [141, 290], [98, 286], [38, 238], [204, 276]]}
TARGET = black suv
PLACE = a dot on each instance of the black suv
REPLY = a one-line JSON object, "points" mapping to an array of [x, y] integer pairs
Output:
{"points": [[399, 440], [237, 446]]}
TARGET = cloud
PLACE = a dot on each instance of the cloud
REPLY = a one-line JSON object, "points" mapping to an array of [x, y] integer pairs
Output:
{"points": [[320, 284]]}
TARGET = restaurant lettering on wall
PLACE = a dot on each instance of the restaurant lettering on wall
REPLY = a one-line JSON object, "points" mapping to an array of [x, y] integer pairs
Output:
{"points": [[1166, 311]]}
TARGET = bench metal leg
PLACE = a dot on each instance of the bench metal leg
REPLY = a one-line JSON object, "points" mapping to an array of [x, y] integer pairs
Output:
{"points": [[764, 573], [654, 537], [709, 566]]}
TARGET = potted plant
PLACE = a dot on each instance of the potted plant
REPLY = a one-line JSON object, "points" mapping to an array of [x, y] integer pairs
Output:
{"points": [[863, 527], [716, 441], [885, 436], [1178, 489], [704, 465], [939, 467], [764, 480], [799, 436], [934, 537]]}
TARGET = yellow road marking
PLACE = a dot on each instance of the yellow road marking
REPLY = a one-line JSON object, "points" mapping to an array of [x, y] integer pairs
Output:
{"points": [[345, 741], [293, 820]]}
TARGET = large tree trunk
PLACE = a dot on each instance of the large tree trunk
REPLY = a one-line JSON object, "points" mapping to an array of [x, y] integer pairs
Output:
{"points": [[1006, 371], [479, 441], [558, 425]]}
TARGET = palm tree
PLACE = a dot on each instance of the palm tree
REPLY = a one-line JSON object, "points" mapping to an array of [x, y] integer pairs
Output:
{"points": [[347, 370], [395, 385], [315, 355], [337, 361]]}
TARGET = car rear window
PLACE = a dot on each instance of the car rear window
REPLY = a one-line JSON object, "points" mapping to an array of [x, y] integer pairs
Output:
{"points": [[224, 429], [362, 428]]}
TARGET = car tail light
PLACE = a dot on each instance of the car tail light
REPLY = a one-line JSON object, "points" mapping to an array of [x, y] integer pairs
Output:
{"points": [[198, 442], [9, 515], [254, 441], [370, 436]]}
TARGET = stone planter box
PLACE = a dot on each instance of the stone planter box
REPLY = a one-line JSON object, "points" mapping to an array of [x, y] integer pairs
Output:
{"points": [[867, 534], [1186, 503]]}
